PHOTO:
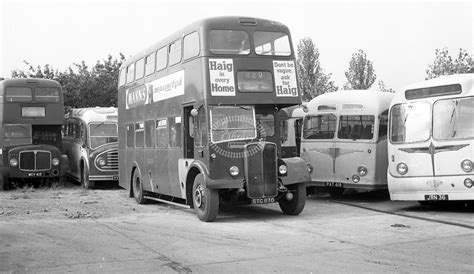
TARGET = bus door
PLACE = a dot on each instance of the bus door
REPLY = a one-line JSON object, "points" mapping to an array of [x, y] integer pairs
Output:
{"points": [[318, 147], [452, 129], [410, 130]]}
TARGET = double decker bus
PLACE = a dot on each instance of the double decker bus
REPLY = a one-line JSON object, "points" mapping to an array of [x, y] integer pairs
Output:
{"points": [[431, 148], [198, 118], [344, 140], [91, 143], [31, 117]]}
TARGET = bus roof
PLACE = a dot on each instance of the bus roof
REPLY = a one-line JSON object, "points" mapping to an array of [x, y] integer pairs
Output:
{"points": [[97, 114], [34, 82], [466, 81], [351, 100], [234, 22]]}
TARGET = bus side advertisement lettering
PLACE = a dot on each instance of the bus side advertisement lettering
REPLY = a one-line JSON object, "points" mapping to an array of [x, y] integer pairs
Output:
{"points": [[136, 97], [285, 78], [168, 86], [221, 73]]}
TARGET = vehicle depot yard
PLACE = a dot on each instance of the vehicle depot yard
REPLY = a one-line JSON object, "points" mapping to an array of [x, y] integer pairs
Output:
{"points": [[71, 229]]}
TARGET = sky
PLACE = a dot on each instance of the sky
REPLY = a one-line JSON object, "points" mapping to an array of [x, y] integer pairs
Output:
{"points": [[399, 37]]}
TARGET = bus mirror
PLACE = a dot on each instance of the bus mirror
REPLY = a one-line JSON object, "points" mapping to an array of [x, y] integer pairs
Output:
{"points": [[305, 108], [194, 112]]}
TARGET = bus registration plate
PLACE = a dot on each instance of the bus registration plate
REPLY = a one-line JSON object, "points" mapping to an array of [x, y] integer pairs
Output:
{"points": [[259, 201], [333, 184], [436, 197]]}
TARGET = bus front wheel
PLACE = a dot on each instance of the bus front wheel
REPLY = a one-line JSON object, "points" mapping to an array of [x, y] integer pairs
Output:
{"points": [[205, 200], [138, 193], [85, 182], [296, 204]]}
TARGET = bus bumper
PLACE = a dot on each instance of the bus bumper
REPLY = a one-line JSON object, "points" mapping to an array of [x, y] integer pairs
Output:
{"points": [[430, 188]]}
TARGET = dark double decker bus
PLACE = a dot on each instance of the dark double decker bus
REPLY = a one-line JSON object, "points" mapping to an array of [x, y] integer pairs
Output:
{"points": [[31, 117], [198, 118]]}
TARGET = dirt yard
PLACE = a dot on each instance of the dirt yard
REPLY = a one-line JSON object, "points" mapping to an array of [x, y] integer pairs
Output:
{"points": [[68, 201]]}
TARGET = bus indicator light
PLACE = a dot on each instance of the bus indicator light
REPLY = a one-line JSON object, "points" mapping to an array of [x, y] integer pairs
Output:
{"points": [[468, 183], [55, 161], [234, 171], [362, 171], [402, 168], [466, 165], [355, 178]]}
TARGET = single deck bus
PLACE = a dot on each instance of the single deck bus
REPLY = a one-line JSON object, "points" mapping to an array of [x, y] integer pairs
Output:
{"points": [[344, 140], [91, 144], [31, 116], [198, 121], [431, 148], [291, 123]]}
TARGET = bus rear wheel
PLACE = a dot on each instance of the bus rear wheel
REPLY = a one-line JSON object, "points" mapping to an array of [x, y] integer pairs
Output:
{"points": [[138, 189], [85, 182], [205, 200], [296, 205]]}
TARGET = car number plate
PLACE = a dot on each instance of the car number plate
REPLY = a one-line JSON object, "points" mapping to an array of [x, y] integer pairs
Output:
{"points": [[436, 197], [259, 201], [333, 184]]}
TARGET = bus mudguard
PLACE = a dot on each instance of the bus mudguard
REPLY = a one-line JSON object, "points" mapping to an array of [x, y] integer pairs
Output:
{"points": [[215, 183], [297, 171]]}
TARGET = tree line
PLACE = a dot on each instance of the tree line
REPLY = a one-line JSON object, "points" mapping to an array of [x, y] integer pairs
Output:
{"points": [[97, 86]]}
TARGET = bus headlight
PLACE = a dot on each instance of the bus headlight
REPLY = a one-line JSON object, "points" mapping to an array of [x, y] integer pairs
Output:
{"points": [[402, 168], [355, 178], [468, 183], [362, 171], [282, 170], [466, 165], [234, 171], [13, 162], [55, 162], [101, 161]]}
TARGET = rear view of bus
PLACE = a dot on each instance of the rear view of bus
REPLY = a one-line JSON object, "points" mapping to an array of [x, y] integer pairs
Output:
{"points": [[344, 140], [431, 149], [31, 116]]}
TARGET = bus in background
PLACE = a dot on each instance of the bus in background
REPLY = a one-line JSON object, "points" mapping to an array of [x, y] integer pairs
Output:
{"points": [[431, 148], [344, 140], [90, 142], [291, 121], [31, 117], [198, 118]]}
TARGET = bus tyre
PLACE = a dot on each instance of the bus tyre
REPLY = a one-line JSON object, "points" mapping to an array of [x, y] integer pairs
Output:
{"points": [[205, 200], [85, 182], [295, 205], [138, 189]]}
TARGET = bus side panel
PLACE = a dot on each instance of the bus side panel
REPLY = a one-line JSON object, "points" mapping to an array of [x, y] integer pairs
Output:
{"points": [[415, 156], [381, 162], [448, 159], [73, 151], [161, 177], [320, 155], [173, 156], [349, 157]]}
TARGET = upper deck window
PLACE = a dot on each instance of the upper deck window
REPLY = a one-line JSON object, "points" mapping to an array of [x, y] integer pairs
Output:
{"points": [[47, 94], [150, 64], [123, 74], [18, 94], [229, 42], [191, 45], [130, 73], [140, 68], [272, 43], [174, 52], [161, 59]]}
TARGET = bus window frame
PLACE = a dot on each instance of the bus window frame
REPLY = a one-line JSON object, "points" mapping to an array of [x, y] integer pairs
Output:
{"points": [[140, 69], [163, 50], [316, 115], [150, 69], [185, 39], [129, 67], [433, 119], [162, 144], [172, 52], [430, 130], [7, 96]]}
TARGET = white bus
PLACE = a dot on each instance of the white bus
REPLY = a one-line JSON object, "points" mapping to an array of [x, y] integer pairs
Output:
{"points": [[344, 140], [431, 140]]}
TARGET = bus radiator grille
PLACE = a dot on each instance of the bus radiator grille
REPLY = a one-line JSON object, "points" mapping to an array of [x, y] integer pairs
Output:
{"points": [[34, 160], [261, 170]]}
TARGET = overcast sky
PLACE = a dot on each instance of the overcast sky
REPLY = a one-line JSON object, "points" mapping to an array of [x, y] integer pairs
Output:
{"points": [[399, 37]]}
